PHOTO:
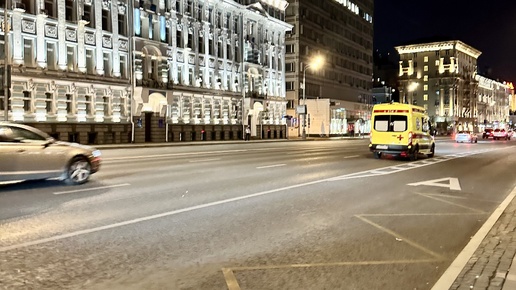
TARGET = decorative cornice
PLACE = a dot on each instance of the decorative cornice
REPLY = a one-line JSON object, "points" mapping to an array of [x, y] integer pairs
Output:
{"points": [[436, 46]]}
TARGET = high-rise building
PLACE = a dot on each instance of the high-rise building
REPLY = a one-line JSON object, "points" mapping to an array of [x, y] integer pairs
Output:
{"points": [[341, 31]]}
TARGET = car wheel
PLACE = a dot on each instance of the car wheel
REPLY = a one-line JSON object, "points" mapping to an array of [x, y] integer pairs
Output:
{"points": [[78, 171], [432, 151], [377, 155]]}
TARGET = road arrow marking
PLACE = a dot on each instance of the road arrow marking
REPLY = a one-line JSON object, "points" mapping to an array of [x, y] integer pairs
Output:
{"points": [[453, 183]]}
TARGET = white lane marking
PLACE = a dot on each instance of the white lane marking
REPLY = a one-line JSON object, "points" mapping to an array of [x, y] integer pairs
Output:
{"points": [[170, 155], [92, 188], [453, 183], [152, 217], [352, 156], [204, 160], [197, 207], [270, 166], [453, 271]]}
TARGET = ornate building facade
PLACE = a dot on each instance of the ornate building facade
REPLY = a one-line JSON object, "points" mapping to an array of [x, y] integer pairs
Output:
{"points": [[70, 69], [493, 103], [442, 77], [208, 68], [105, 71]]}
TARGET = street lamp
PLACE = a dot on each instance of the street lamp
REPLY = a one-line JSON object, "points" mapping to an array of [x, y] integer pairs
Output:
{"points": [[316, 63]]}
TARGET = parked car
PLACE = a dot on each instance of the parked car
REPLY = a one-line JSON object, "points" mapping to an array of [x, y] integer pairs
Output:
{"points": [[500, 134], [466, 136], [487, 133], [26, 153]]}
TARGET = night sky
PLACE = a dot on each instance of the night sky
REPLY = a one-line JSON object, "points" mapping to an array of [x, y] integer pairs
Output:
{"points": [[488, 26]]}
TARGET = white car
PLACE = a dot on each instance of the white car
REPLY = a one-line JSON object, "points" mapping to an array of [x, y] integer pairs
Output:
{"points": [[27, 153], [466, 136]]}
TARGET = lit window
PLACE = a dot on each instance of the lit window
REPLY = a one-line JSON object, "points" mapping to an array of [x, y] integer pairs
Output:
{"points": [[426, 58], [425, 88], [425, 68], [425, 97], [425, 78], [436, 62]]}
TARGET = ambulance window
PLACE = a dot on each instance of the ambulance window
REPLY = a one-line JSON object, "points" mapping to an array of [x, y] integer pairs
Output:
{"points": [[398, 123], [381, 123]]}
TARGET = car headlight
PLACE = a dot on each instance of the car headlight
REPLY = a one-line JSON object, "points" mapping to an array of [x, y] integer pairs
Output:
{"points": [[96, 153]]}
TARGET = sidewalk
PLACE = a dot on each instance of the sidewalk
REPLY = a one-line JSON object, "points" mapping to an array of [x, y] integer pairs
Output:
{"points": [[488, 262]]}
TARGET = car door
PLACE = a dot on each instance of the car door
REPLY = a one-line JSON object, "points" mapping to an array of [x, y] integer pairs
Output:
{"points": [[8, 155], [36, 159]]}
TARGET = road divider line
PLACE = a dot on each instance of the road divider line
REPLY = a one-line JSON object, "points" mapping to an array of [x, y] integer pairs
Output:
{"points": [[352, 156], [270, 166], [91, 188], [204, 160]]}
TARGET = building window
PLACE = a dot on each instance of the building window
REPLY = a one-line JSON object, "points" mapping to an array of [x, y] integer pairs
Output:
{"points": [[69, 10], [106, 19], [27, 102], [107, 106], [425, 88], [49, 8], [51, 56], [90, 61], [425, 68], [70, 101], [123, 66], [49, 103], [290, 86], [190, 40], [425, 78], [289, 48], [178, 39], [28, 52], [290, 67], [220, 51], [108, 64], [121, 25], [89, 105], [70, 58], [425, 97], [89, 15], [210, 47], [425, 59]]}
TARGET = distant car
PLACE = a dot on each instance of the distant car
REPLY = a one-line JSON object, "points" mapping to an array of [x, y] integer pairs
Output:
{"points": [[500, 134], [466, 136], [487, 133], [27, 153]]}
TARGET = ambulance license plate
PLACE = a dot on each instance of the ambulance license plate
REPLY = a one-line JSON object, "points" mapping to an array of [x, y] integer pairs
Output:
{"points": [[382, 146]]}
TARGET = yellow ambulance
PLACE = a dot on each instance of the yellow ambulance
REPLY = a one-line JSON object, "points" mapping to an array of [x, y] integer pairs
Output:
{"points": [[402, 130]]}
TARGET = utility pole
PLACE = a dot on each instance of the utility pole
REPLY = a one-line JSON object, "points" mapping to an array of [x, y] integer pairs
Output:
{"points": [[7, 60]]}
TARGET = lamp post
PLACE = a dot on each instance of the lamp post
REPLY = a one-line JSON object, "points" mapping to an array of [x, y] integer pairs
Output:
{"points": [[315, 64]]}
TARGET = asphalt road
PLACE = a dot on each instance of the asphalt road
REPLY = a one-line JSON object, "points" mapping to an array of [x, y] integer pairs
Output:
{"points": [[280, 215]]}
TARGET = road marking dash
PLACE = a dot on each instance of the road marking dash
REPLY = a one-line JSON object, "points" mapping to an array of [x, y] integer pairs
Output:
{"points": [[91, 188], [270, 166]]}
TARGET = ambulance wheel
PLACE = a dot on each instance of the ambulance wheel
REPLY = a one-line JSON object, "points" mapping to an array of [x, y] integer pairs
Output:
{"points": [[414, 155], [432, 151], [377, 155]]}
